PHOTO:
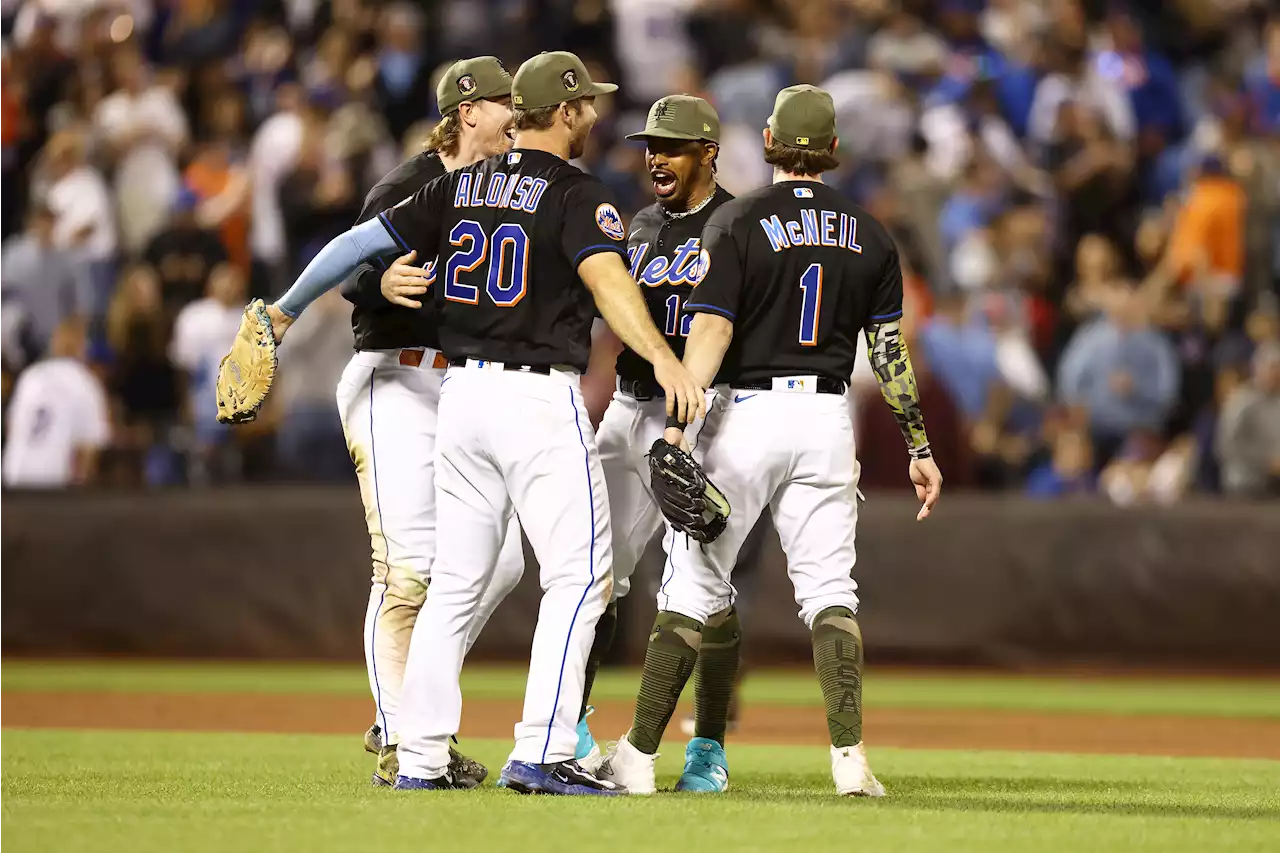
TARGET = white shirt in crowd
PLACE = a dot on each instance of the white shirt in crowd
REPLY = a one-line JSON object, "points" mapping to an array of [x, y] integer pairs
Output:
{"points": [[653, 45], [58, 408], [202, 335], [1107, 98], [147, 178], [80, 199], [272, 155]]}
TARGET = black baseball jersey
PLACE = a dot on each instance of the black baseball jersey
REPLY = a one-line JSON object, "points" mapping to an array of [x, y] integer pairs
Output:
{"points": [[377, 323], [801, 271], [509, 233], [663, 251]]}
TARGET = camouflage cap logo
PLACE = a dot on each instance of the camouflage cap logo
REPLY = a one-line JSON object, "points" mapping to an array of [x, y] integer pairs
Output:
{"points": [[466, 84], [663, 111], [570, 80]]}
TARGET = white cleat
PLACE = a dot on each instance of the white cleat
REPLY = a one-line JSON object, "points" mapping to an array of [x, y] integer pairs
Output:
{"points": [[853, 774], [592, 760], [629, 767]]}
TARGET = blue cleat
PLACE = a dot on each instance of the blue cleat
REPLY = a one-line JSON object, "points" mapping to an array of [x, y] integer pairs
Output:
{"points": [[410, 783], [588, 752], [564, 778], [706, 768]]}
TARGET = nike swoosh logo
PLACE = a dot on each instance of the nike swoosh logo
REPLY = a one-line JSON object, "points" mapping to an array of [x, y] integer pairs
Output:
{"points": [[739, 398]]}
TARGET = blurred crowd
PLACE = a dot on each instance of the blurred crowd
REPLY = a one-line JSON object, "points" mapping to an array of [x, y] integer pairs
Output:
{"points": [[1086, 196]]}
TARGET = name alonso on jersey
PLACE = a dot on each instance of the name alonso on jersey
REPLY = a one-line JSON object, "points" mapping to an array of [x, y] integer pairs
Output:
{"points": [[512, 192]]}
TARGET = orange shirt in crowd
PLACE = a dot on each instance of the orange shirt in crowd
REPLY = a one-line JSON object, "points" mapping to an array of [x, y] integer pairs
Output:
{"points": [[1210, 225], [208, 177]]}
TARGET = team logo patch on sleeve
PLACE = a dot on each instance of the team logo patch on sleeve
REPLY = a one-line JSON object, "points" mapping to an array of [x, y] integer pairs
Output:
{"points": [[466, 84], [610, 222], [700, 267]]}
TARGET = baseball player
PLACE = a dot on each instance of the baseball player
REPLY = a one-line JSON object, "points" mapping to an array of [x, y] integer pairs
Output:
{"points": [[682, 135], [516, 237], [789, 277], [388, 398]]}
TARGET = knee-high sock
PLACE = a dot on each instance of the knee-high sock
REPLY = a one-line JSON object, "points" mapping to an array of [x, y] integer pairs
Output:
{"points": [[837, 656], [716, 674], [605, 629], [668, 663]]}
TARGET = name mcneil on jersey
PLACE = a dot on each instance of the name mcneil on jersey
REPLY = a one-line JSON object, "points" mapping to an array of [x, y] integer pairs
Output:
{"points": [[815, 228], [512, 192], [681, 268]]}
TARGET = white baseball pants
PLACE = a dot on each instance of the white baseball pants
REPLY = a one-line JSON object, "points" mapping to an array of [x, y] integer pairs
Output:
{"points": [[389, 415], [510, 442], [628, 430], [792, 452]]}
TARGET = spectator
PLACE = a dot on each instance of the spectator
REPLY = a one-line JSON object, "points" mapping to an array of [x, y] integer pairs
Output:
{"points": [[317, 198], [1073, 79], [84, 219], [143, 383], [143, 128], [202, 335], [654, 49], [1069, 469], [58, 420], [272, 156], [183, 254], [48, 285], [1206, 248], [403, 80], [1248, 436], [1122, 373], [904, 47], [309, 440], [1146, 471]]}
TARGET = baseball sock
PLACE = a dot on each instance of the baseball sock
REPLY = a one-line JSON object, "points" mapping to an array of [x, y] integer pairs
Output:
{"points": [[599, 648], [837, 656], [716, 673], [668, 663]]}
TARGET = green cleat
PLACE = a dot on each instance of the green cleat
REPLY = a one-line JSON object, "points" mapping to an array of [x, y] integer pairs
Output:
{"points": [[706, 768]]}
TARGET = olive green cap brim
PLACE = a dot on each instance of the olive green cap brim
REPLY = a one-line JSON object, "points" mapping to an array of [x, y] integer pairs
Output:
{"points": [[681, 117], [554, 78], [663, 133]]}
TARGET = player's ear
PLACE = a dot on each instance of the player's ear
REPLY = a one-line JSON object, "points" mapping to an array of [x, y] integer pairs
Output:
{"points": [[467, 113], [835, 143], [768, 138], [710, 151]]}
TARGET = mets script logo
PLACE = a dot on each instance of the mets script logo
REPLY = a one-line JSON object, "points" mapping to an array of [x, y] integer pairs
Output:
{"points": [[570, 80], [610, 222], [466, 84]]}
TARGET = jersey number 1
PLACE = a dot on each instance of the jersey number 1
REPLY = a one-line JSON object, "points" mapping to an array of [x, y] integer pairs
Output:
{"points": [[508, 272], [810, 304]]}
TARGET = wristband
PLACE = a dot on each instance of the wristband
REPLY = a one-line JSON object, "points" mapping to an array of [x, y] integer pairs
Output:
{"points": [[674, 422]]}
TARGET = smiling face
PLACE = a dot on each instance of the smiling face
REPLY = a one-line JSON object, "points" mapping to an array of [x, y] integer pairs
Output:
{"points": [[677, 168], [493, 125]]}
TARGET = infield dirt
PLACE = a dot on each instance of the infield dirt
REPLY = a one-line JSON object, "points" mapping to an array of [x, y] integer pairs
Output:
{"points": [[761, 724]]}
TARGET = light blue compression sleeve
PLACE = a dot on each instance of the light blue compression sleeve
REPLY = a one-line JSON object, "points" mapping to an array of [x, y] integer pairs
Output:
{"points": [[337, 260]]}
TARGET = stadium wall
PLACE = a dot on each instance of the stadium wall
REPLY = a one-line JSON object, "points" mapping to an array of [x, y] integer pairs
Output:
{"points": [[283, 573]]}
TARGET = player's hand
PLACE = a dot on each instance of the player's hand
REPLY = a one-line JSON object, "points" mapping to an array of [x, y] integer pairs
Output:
{"points": [[280, 321], [685, 397], [403, 280], [673, 435], [928, 482]]}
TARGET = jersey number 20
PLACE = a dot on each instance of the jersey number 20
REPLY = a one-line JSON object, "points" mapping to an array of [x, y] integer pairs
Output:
{"points": [[810, 304], [508, 269]]}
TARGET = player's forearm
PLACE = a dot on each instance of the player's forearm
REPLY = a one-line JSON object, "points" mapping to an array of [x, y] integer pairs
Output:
{"points": [[709, 339], [337, 260], [622, 307], [892, 365]]}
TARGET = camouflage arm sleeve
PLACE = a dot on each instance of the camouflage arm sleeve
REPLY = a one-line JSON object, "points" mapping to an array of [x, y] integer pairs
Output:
{"points": [[892, 365]]}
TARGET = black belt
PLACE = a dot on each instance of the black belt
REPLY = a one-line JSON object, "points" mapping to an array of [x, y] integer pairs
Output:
{"points": [[641, 389], [826, 385], [544, 369]]}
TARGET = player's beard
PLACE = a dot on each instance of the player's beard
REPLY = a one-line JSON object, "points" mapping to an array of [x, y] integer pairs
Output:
{"points": [[578, 141]]}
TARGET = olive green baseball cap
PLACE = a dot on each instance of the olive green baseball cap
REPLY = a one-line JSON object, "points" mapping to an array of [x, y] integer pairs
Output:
{"points": [[475, 79], [804, 117], [553, 78], [681, 117]]}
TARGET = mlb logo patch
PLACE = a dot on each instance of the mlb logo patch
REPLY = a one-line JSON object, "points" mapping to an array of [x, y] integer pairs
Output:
{"points": [[609, 221], [513, 158], [795, 384], [803, 192]]}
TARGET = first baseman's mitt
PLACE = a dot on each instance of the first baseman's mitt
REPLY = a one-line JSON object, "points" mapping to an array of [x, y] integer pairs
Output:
{"points": [[690, 501], [245, 374]]}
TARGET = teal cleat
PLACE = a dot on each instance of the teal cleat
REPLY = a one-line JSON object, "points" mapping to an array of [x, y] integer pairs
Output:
{"points": [[588, 753], [706, 768]]}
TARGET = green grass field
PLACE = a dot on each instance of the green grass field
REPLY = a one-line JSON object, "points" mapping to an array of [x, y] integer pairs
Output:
{"points": [[142, 791]]}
